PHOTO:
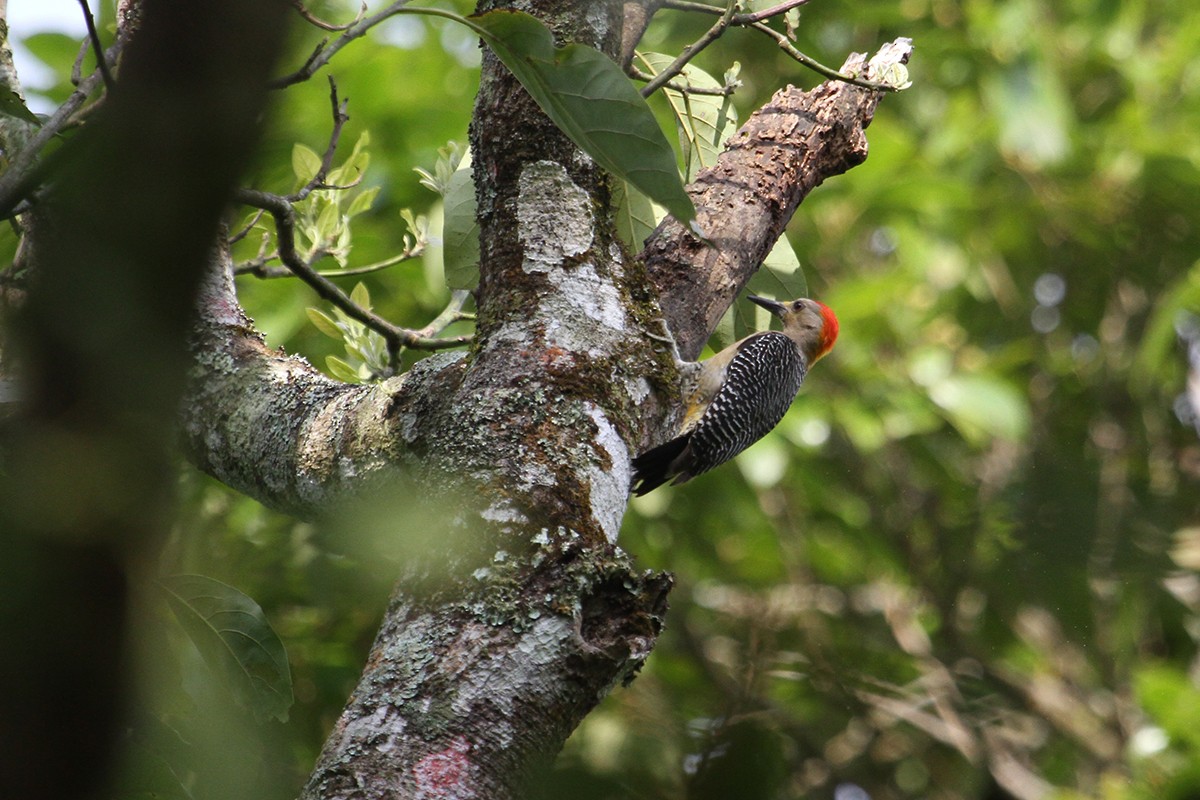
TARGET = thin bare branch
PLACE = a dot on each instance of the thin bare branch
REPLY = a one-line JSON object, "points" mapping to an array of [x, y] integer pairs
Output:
{"points": [[691, 51], [259, 268], [739, 20], [767, 13], [722, 91], [452, 313], [395, 336], [97, 48], [245, 231], [828, 72], [326, 50], [754, 21], [340, 118], [312, 19]]}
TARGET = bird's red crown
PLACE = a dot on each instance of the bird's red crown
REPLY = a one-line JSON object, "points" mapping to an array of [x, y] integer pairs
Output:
{"points": [[829, 331]]}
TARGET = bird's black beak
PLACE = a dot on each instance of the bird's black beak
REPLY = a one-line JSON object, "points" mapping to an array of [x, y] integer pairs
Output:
{"points": [[770, 305]]}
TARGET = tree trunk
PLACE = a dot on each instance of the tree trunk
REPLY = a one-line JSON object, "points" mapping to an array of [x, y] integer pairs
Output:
{"points": [[519, 613]]}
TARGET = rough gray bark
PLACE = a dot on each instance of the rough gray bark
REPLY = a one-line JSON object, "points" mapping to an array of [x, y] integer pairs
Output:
{"points": [[496, 645]]}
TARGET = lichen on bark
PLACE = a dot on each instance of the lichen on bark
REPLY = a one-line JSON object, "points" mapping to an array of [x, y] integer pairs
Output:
{"points": [[519, 612]]}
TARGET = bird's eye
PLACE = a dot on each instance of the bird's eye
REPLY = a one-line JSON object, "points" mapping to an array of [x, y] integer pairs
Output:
{"points": [[799, 304]]}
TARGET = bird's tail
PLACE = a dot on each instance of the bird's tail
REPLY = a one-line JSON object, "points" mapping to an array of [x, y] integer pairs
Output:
{"points": [[653, 468]]}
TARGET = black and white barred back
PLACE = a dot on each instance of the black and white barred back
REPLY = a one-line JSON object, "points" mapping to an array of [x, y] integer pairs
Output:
{"points": [[761, 384]]}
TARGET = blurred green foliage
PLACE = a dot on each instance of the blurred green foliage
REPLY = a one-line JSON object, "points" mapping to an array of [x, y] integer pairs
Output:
{"points": [[966, 563]]}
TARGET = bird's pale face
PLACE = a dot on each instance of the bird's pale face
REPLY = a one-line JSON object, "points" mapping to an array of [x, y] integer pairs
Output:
{"points": [[819, 324]]}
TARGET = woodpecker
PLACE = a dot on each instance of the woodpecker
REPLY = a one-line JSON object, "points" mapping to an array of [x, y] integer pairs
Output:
{"points": [[740, 393]]}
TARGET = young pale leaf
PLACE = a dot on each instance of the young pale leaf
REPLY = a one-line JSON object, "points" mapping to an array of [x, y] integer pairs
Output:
{"points": [[235, 640], [449, 159], [705, 121], [635, 215], [305, 163], [361, 296], [324, 323], [589, 98], [327, 224], [362, 202], [341, 370], [460, 231]]}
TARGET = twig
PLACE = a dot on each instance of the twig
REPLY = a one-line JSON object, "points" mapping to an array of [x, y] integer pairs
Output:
{"points": [[285, 233], [755, 21], [723, 91], [259, 269], [340, 118], [820, 69], [97, 48], [766, 13], [245, 231], [691, 51], [739, 20], [312, 19], [325, 51], [452, 313], [77, 65]]}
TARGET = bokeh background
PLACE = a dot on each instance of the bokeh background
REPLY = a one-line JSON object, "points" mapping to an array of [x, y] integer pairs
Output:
{"points": [[966, 563]]}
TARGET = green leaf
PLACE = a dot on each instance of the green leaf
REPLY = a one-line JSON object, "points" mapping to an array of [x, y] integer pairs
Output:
{"points": [[636, 216], [56, 50], [341, 370], [327, 223], [705, 121], [324, 323], [12, 105], [351, 170], [780, 277], [588, 96], [305, 163], [362, 202], [361, 296], [236, 641], [155, 755], [460, 230]]}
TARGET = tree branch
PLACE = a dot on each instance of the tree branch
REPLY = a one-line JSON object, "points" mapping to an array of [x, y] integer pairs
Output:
{"points": [[97, 48], [276, 429], [325, 51], [467, 691], [284, 214], [723, 91], [755, 19], [691, 51], [312, 19], [783, 151], [745, 18]]}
